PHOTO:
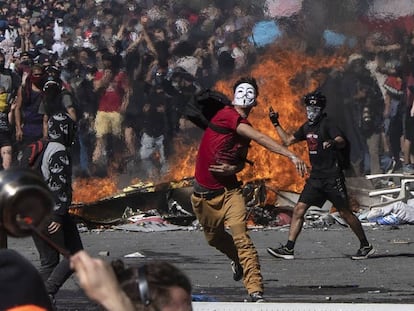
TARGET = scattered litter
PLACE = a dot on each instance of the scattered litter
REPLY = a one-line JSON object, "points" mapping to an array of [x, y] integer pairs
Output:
{"points": [[135, 255], [175, 208], [150, 227], [396, 213], [400, 241], [82, 228], [103, 253], [202, 297], [339, 219]]}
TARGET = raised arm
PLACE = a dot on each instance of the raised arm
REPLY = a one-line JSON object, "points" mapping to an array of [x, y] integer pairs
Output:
{"points": [[288, 139]]}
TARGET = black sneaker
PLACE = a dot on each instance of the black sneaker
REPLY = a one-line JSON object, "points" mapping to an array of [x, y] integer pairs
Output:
{"points": [[237, 271], [257, 297], [364, 252], [281, 252]]}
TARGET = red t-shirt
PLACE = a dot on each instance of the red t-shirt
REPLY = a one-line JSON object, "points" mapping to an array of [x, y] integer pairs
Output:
{"points": [[111, 99], [221, 148]]}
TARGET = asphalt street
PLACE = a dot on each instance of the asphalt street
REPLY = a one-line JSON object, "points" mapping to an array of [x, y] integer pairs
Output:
{"points": [[321, 272]]}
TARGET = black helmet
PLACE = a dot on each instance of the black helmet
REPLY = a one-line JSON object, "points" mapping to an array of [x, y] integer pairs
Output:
{"points": [[315, 99], [52, 84]]}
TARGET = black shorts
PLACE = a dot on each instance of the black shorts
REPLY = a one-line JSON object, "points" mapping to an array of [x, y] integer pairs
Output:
{"points": [[318, 190], [131, 121]]}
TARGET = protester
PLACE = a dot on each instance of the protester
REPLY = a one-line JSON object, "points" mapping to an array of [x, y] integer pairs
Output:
{"points": [[56, 168], [364, 116], [154, 122], [29, 122], [153, 286], [217, 199], [326, 180], [57, 100], [109, 85], [8, 88]]}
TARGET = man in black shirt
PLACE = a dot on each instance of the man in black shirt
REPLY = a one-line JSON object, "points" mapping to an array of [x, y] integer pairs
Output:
{"points": [[326, 180], [155, 129]]}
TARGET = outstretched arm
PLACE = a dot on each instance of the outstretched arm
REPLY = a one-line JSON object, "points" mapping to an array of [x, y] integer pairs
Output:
{"points": [[272, 145]]}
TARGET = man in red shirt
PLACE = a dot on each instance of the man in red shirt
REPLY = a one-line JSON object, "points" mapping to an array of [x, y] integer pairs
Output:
{"points": [[217, 197], [110, 85]]}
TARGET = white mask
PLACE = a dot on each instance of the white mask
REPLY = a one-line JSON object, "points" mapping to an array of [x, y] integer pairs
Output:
{"points": [[244, 95]]}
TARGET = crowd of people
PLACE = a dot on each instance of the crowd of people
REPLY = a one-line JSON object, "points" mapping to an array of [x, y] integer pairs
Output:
{"points": [[129, 68], [121, 75], [371, 97]]}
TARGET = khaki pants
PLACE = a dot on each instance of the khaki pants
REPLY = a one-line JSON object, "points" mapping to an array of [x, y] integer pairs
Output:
{"points": [[230, 208]]}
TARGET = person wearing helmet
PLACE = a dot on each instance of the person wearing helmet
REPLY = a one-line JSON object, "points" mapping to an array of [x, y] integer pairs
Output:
{"points": [[217, 197], [57, 99], [326, 180]]}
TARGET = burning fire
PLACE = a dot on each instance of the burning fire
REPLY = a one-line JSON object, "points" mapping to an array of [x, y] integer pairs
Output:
{"points": [[87, 190], [284, 76]]}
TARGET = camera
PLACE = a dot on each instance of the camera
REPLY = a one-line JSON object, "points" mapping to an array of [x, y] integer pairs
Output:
{"points": [[25, 201]]}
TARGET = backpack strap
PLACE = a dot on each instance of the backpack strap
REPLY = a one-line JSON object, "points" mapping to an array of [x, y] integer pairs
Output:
{"points": [[225, 130], [41, 145], [219, 129]]}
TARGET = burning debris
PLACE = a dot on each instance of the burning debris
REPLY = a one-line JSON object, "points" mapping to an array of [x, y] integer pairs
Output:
{"points": [[169, 199], [165, 206]]}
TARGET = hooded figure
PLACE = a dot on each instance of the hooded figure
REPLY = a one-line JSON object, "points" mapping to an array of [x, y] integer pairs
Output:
{"points": [[57, 171]]}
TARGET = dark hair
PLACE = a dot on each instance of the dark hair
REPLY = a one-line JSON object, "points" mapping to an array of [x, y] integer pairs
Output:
{"points": [[159, 275], [249, 80]]}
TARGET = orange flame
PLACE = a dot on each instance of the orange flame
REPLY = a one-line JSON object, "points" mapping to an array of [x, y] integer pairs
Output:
{"points": [[88, 190]]}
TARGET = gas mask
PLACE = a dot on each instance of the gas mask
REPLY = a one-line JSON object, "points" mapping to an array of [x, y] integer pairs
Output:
{"points": [[313, 113], [244, 95]]}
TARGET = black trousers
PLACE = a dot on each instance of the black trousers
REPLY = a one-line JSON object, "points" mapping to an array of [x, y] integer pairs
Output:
{"points": [[54, 270]]}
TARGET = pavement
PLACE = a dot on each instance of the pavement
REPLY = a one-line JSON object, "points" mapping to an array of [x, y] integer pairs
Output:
{"points": [[322, 272]]}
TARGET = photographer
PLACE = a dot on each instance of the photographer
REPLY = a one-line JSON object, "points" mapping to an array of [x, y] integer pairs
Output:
{"points": [[153, 286]]}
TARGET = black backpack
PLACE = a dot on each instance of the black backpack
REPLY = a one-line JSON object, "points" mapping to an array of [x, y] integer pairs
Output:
{"points": [[202, 107]]}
